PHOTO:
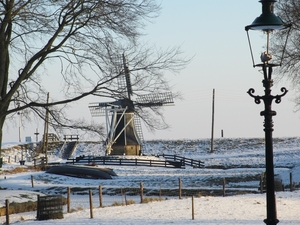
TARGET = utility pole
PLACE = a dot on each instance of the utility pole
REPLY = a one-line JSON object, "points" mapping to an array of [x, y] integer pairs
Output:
{"points": [[20, 126], [212, 123], [45, 137]]}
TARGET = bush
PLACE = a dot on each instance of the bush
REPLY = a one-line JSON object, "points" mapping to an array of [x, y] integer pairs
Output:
{"points": [[147, 200], [128, 202], [79, 208]]}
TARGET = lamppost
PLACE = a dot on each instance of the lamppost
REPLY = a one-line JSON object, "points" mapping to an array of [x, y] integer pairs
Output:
{"points": [[268, 22]]}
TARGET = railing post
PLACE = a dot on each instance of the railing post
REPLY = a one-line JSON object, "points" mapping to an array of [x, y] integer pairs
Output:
{"points": [[291, 181], [160, 192], [91, 204], [193, 208], [38, 207], [142, 192], [261, 184], [122, 197], [7, 211], [224, 183], [32, 184], [68, 200], [180, 186], [100, 196]]}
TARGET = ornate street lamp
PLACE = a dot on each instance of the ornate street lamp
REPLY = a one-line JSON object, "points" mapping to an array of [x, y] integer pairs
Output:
{"points": [[268, 22]]}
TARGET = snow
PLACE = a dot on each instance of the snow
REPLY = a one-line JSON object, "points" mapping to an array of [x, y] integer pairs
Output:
{"points": [[242, 209], [239, 161]]}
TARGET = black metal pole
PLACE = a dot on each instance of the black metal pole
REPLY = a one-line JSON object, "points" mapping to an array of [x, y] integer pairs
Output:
{"points": [[268, 129]]}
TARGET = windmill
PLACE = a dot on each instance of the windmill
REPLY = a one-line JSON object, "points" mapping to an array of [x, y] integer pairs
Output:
{"points": [[124, 131]]}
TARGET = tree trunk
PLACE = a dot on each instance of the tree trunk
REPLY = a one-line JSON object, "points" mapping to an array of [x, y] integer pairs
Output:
{"points": [[2, 119]]}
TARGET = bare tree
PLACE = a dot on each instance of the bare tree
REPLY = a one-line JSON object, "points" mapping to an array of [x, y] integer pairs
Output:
{"points": [[75, 42], [289, 11]]}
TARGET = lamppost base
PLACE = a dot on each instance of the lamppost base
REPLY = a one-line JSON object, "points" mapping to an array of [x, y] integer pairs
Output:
{"points": [[271, 221]]}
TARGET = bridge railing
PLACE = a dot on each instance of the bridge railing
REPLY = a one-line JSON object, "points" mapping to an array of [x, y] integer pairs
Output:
{"points": [[125, 162], [185, 161]]}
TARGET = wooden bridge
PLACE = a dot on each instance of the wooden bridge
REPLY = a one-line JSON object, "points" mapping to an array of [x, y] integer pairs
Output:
{"points": [[106, 160], [171, 161]]}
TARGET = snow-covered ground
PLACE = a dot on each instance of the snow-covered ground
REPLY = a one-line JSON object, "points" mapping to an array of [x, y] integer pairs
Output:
{"points": [[241, 209], [239, 161]]}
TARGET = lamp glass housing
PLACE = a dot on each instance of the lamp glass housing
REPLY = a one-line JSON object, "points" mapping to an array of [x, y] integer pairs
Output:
{"points": [[267, 21]]}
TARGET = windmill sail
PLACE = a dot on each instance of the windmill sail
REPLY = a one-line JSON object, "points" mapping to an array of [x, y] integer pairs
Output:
{"points": [[157, 99], [124, 81], [127, 77]]}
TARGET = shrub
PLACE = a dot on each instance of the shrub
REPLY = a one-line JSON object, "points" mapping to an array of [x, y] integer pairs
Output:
{"points": [[147, 200], [115, 203], [79, 208], [130, 202]]}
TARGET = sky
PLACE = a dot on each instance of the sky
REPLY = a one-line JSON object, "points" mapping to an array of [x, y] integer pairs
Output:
{"points": [[213, 34]]}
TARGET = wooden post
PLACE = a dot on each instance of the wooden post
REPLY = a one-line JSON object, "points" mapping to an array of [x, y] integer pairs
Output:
{"points": [[180, 186], [68, 200], [100, 196], [91, 204], [7, 211], [142, 192], [15, 158], [291, 181], [8, 159], [261, 184], [122, 196], [160, 191], [193, 208], [224, 183], [32, 184], [125, 197], [38, 207]]}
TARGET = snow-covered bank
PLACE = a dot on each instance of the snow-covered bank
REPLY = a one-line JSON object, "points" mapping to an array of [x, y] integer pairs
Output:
{"points": [[240, 161]]}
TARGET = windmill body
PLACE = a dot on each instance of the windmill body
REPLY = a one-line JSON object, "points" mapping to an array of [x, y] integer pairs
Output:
{"points": [[125, 140], [124, 134]]}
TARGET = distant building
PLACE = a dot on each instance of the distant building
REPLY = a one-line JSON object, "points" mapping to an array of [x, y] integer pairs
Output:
{"points": [[28, 139]]}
